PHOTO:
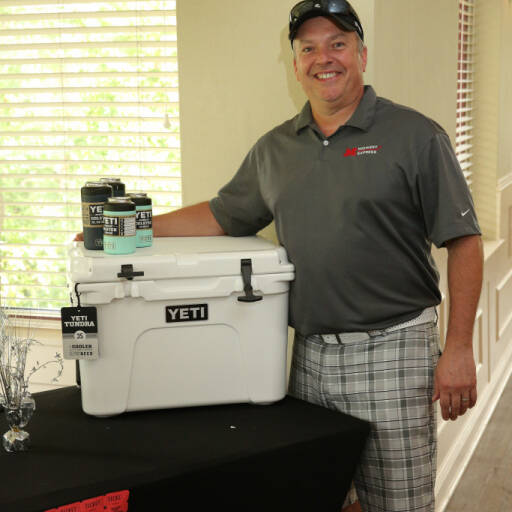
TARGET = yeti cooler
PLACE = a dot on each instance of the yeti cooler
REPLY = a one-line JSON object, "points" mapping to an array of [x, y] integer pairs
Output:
{"points": [[189, 321]]}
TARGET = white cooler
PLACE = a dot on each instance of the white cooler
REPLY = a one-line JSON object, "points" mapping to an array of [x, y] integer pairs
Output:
{"points": [[189, 321]]}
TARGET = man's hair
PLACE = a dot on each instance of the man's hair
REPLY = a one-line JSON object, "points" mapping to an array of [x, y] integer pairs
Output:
{"points": [[360, 44]]}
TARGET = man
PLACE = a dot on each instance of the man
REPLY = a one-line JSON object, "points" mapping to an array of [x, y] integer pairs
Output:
{"points": [[359, 188]]}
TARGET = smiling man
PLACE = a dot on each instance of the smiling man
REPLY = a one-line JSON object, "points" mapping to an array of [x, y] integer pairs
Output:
{"points": [[359, 189], [329, 64]]}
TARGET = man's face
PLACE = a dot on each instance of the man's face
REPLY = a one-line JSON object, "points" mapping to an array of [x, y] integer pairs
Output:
{"points": [[328, 63]]}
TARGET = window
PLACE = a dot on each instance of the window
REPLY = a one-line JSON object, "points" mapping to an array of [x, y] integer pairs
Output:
{"points": [[88, 89], [465, 70]]}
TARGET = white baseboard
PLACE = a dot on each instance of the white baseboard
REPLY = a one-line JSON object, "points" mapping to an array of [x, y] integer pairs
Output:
{"points": [[457, 459]]}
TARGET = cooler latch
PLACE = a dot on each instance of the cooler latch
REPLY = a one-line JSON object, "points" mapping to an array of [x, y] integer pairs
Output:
{"points": [[246, 268], [127, 271]]}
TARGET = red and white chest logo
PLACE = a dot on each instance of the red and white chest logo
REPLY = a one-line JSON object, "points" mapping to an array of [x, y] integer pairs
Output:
{"points": [[363, 150]]}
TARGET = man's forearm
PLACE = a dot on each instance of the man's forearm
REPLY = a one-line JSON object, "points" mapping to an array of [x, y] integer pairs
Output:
{"points": [[465, 269], [195, 220]]}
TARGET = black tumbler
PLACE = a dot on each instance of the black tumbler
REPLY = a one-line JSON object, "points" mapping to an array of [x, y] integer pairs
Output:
{"points": [[118, 187], [94, 196]]}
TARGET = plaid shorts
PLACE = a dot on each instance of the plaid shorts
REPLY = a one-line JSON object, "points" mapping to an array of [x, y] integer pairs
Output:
{"points": [[385, 378]]}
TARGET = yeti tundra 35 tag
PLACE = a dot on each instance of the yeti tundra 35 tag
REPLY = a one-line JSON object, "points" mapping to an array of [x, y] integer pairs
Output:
{"points": [[186, 313], [79, 332]]}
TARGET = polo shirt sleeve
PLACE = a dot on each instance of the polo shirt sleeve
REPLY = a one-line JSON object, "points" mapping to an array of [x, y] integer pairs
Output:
{"points": [[445, 199], [239, 207]]}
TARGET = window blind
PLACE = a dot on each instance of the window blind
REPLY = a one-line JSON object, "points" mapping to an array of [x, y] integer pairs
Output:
{"points": [[88, 89], [465, 71]]}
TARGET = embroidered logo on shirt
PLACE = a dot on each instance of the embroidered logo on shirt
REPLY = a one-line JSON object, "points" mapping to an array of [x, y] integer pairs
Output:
{"points": [[362, 150]]}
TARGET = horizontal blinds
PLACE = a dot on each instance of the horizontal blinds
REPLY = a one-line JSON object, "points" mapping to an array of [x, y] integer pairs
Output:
{"points": [[465, 73], [88, 89]]}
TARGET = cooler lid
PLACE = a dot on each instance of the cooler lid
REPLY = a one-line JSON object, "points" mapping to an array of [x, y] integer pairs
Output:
{"points": [[179, 257]]}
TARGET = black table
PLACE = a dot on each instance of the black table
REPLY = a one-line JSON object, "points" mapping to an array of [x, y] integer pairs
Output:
{"points": [[288, 456]]}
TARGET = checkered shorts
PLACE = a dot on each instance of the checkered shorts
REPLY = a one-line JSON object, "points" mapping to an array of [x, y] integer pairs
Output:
{"points": [[385, 378]]}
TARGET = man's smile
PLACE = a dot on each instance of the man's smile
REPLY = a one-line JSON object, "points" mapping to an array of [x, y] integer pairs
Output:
{"points": [[326, 75]]}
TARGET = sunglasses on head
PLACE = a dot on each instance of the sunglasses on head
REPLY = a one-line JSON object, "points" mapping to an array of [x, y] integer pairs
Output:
{"points": [[331, 6], [336, 7]]}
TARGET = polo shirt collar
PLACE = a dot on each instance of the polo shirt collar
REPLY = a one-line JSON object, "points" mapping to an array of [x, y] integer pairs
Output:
{"points": [[362, 118]]}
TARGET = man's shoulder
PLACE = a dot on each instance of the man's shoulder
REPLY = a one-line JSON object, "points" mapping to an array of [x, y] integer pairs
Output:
{"points": [[406, 119], [286, 129]]}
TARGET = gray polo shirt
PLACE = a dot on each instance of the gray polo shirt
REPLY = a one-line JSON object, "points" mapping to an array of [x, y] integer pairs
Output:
{"points": [[357, 212]]}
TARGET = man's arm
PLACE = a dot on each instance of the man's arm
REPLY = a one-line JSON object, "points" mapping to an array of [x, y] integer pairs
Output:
{"points": [[195, 220], [455, 375]]}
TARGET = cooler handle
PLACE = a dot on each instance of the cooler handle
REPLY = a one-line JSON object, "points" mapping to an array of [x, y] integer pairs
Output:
{"points": [[128, 272], [246, 268]]}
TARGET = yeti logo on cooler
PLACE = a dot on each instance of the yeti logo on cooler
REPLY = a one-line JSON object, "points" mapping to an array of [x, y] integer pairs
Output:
{"points": [[186, 313]]}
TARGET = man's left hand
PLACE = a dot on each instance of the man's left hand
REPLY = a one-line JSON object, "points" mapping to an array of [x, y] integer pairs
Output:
{"points": [[455, 381]]}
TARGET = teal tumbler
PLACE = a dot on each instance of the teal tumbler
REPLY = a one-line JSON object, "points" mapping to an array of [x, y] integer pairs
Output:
{"points": [[119, 234], [144, 218]]}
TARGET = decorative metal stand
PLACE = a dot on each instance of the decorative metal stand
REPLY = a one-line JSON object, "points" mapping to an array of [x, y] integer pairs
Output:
{"points": [[18, 416]]}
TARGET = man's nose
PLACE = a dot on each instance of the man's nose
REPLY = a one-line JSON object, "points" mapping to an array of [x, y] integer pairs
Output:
{"points": [[324, 55]]}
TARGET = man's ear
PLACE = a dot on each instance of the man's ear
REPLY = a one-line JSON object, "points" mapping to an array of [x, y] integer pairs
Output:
{"points": [[364, 58]]}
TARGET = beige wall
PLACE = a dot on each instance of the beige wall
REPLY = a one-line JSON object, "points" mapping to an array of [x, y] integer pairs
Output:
{"points": [[236, 78], [487, 113], [416, 56], [235, 84]]}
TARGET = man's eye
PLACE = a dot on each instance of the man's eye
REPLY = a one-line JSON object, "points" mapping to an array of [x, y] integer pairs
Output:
{"points": [[306, 49], [339, 44]]}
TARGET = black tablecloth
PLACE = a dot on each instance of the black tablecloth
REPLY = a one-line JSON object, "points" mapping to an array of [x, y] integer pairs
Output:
{"points": [[290, 455]]}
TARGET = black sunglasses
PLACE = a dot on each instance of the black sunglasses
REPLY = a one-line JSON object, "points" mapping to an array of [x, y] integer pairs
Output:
{"points": [[336, 7], [331, 6]]}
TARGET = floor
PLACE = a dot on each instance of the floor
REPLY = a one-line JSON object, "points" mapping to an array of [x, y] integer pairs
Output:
{"points": [[486, 485]]}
